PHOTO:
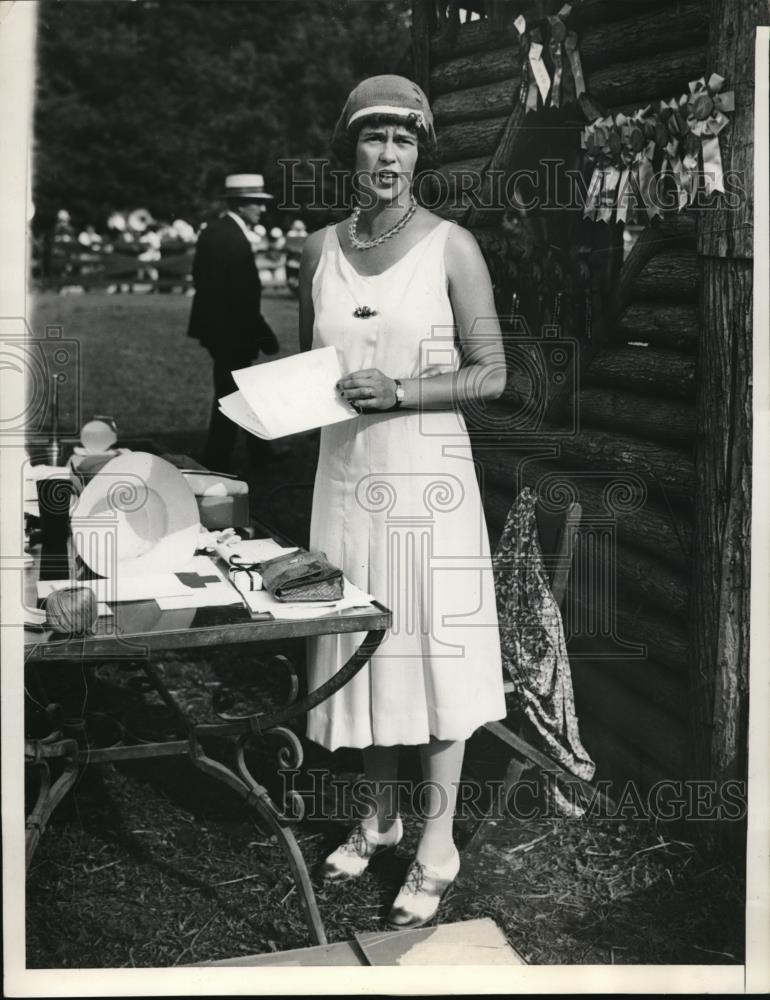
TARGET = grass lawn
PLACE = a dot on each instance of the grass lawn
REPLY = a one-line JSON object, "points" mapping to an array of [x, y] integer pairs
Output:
{"points": [[153, 865], [138, 365]]}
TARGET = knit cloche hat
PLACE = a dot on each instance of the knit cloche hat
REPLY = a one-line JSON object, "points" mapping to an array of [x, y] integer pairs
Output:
{"points": [[386, 95]]}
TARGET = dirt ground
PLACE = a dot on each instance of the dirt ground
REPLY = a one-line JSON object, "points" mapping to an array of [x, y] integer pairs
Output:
{"points": [[153, 864]]}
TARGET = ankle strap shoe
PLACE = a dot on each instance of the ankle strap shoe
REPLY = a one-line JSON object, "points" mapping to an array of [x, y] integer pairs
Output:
{"points": [[421, 893], [352, 857]]}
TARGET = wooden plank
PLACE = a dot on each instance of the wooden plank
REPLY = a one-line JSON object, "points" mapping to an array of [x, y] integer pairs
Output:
{"points": [[456, 142], [640, 576], [649, 32], [532, 753], [646, 79], [675, 232], [651, 527], [664, 639], [671, 276], [467, 942], [672, 326], [668, 421], [600, 11], [645, 370], [650, 417], [666, 471], [475, 103], [475, 70], [471, 168]]}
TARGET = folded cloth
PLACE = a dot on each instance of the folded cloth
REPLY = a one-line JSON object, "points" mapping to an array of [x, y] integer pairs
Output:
{"points": [[259, 603], [302, 576]]}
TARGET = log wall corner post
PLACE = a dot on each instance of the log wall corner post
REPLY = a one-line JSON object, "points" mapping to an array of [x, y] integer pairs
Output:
{"points": [[719, 645], [423, 24]]}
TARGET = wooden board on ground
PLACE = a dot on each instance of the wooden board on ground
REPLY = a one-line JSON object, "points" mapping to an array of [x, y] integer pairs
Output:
{"points": [[469, 942]]}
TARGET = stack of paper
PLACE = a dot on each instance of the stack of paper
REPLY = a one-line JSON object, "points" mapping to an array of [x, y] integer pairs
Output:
{"points": [[288, 396]]}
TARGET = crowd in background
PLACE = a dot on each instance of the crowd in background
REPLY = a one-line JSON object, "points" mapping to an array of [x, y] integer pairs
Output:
{"points": [[68, 254]]}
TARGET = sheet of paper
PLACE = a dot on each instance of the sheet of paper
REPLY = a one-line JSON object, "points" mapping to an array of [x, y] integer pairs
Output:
{"points": [[235, 407], [210, 597], [148, 586], [289, 396]]}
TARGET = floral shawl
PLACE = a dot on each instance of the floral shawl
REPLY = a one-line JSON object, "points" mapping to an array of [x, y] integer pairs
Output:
{"points": [[532, 638]]}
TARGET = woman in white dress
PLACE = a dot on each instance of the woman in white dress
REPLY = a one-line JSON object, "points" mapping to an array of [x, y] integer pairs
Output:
{"points": [[406, 299]]}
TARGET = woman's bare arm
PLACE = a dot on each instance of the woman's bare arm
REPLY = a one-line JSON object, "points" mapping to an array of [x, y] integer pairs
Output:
{"points": [[483, 374], [311, 254]]}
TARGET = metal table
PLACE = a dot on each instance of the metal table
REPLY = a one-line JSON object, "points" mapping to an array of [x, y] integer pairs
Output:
{"points": [[138, 632]]}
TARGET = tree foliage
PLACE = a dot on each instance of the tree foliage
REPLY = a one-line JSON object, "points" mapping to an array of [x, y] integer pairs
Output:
{"points": [[152, 103]]}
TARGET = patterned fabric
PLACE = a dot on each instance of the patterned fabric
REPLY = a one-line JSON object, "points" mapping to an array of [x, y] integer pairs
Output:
{"points": [[532, 639]]}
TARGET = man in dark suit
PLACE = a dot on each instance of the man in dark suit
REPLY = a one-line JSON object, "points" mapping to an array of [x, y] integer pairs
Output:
{"points": [[226, 316]]}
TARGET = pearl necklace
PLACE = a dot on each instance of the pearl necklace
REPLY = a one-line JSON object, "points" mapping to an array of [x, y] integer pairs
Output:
{"points": [[360, 244]]}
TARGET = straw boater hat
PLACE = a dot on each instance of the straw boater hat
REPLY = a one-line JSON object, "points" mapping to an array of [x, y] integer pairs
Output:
{"points": [[246, 186], [386, 95], [146, 506]]}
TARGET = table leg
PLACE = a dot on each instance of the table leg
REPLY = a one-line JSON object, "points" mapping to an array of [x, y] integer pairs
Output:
{"points": [[249, 726], [258, 798], [37, 754]]}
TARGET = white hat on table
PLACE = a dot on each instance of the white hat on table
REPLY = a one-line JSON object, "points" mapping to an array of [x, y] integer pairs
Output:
{"points": [[136, 515]]}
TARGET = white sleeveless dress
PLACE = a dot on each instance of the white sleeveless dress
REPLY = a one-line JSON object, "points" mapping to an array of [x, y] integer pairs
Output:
{"points": [[397, 506]]}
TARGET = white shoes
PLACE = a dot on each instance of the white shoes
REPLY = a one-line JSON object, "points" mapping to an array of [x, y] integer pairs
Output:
{"points": [[421, 892], [353, 856]]}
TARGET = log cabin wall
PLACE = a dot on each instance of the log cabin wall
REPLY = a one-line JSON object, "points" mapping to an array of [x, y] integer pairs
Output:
{"points": [[629, 460]]}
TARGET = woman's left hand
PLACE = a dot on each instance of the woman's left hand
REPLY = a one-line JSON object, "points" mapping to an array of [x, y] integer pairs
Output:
{"points": [[368, 389]]}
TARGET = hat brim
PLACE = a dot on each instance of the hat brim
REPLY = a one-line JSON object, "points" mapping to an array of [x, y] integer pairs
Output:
{"points": [[246, 195], [137, 515]]}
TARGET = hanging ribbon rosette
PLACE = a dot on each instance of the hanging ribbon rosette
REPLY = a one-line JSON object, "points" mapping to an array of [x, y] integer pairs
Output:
{"points": [[534, 74], [706, 109], [680, 148], [595, 140], [621, 149], [562, 46], [637, 141], [558, 40]]}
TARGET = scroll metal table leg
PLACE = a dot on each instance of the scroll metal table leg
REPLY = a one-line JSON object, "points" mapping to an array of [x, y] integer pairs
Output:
{"points": [[248, 727], [258, 798]]}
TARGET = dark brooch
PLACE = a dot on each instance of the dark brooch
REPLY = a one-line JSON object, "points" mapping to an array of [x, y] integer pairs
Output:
{"points": [[364, 312]]}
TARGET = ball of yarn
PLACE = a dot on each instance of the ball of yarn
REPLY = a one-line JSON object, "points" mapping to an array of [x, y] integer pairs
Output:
{"points": [[72, 610]]}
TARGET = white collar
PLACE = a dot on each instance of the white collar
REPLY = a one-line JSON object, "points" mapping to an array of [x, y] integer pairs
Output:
{"points": [[244, 228]]}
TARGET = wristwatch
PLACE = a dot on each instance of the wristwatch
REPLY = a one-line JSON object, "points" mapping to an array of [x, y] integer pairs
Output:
{"points": [[400, 394]]}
